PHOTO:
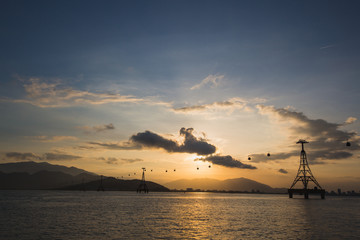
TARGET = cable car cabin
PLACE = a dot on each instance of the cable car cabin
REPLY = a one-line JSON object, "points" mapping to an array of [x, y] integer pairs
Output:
{"points": [[348, 144], [268, 154], [249, 158]]}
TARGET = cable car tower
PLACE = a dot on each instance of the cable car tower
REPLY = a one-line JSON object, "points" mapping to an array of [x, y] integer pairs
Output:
{"points": [[143, 186], [305, 176]]}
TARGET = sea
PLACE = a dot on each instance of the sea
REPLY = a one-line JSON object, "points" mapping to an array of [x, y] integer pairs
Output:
{"points": [[175, 215]]}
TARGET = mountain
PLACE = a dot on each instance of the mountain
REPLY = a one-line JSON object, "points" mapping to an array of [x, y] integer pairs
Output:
{"points": [[236, 184], [38, 176], [113, 184], [33, 167], [42, 180]]}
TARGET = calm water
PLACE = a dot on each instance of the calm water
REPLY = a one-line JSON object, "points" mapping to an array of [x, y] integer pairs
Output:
{"points": [[127, 215]]}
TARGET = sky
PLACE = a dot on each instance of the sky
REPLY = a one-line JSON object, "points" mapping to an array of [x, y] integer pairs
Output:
{"points": [[187, 89]]}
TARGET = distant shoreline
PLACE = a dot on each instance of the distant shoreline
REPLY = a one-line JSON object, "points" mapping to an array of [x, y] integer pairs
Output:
{"points": [[181, 191]]}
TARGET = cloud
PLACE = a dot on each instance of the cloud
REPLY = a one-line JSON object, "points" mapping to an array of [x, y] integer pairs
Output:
{"points": [[131, 160], [59, 157], [52, 138], [148, 139], [211, 79], [274, 156], [191, 144], [350, 120], [98, 128], [283, 171], [116, 161], [125, 145], [18, 156], [231, 104], [327, 140], [52, 95], [226, 161], [22, 156], [328, 46]]}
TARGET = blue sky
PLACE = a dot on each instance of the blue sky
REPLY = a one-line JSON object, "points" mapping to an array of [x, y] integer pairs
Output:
{"points": [[69, 68]]}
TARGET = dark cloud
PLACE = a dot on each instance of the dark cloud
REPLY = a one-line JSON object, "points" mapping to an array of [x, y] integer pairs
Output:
{"points": [[191, 144], [226, 161], [283, 171], [327, 140], [45, 157]]}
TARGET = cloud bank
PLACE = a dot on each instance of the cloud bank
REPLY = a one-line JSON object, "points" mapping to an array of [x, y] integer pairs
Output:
{"points": [[327, 140], [191, 144]]}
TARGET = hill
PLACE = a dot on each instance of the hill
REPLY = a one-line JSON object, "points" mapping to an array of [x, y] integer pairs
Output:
{"points": [[33, 167], [113, 184], [41, 180], [236, 184]]}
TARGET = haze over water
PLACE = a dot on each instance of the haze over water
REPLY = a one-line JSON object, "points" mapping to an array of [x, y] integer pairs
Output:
{"points": [[127, 215]]}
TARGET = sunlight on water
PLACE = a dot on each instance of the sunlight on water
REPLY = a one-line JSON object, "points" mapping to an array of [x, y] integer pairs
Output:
{"points": [[127, 215]]}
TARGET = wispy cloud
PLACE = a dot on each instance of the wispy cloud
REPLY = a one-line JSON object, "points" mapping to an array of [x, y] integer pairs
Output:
{"points": [[328, 46], [22, 156], [125, 145], [98, 128], [52, 138], [214, 80], [230, 104], [52, 95], [53, 156], [119, 161]]}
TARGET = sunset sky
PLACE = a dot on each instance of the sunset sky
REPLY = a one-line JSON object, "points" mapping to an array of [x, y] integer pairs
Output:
{"points": [[114, 86]]}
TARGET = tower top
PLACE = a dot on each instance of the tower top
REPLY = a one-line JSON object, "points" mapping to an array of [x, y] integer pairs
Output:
{"points": [[302, 141]]}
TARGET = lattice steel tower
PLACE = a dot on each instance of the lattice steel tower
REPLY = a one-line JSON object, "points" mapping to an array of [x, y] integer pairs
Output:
{"points": [[305, 176], [143, 186]]}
